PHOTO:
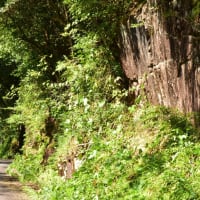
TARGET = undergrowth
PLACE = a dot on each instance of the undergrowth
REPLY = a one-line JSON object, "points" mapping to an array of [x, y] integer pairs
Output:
{"points": [[134, 153], [138, 152]]}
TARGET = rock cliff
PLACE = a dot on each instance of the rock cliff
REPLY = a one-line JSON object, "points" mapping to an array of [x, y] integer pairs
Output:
{"points": [[160, 49]]}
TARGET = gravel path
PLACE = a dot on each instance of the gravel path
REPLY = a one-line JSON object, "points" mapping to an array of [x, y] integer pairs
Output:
{"points": [[10, 188]]}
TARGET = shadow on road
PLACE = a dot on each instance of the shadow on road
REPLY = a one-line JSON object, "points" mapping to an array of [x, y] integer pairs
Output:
{"points": [[10, 188], [5, 161], [6, 178]]}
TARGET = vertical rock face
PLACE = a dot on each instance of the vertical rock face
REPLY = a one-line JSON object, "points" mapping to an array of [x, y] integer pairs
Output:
{"points": [[160, 49]]}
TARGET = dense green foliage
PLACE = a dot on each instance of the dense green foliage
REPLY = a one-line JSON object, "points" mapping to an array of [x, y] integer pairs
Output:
{"points": [[136, 153], [63, 92], [31, 45]]}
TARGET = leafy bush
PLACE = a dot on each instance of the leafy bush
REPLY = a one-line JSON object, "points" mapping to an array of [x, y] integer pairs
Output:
{"points": [[9, 144], [148, 153]]}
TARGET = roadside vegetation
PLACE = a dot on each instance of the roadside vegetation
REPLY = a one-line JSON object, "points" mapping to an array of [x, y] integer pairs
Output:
{"points": [[125, 153], [67, 97]]}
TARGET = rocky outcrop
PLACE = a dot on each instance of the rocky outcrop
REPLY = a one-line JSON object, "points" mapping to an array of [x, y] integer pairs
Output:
{"points": [[160, 49]]}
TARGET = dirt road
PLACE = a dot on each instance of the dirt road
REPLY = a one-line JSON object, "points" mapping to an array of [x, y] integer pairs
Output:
{"points": [[10, 188]]}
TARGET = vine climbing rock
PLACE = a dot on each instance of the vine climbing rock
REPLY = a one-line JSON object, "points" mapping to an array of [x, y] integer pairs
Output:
{"points": [[10, 188], [160, 51]]}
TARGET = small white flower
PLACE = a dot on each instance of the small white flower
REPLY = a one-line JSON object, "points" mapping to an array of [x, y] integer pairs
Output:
{"points": [[66, 130], [94, 153], [85, 101], [90, 120], [101, 104], [67, 121], [78, 163]]}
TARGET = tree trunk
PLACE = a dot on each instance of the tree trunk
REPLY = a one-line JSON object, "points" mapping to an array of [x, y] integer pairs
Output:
{"points": [[160, 49]]}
